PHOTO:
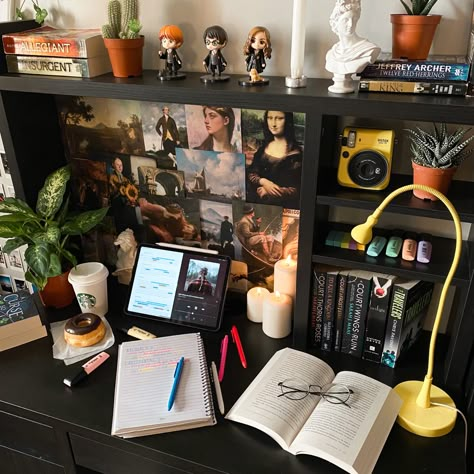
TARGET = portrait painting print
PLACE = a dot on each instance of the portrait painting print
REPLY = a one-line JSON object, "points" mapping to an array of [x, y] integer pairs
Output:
{"points": [[211, 175], [214, 128], [201, 277], [217, 228], [164, 130], [274, 174]]}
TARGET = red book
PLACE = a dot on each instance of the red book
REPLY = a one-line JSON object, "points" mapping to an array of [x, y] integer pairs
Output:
{"points": [[49, 41]]}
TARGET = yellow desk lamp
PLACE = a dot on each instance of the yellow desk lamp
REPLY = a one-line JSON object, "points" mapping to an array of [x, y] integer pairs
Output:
{"points": [[418, 413]]}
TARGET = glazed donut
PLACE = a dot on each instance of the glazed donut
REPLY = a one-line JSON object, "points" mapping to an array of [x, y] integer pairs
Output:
{"points": [[83, 330]]}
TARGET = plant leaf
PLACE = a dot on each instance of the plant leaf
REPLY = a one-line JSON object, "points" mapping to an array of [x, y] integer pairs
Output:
{"points": [[15, 205], [12, 244], [10, 229], [51, 194], [55, 268], [84, 222], [39, 282], [37, 257]]}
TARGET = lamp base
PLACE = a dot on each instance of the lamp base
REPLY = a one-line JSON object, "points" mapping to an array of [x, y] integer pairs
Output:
{"points": [[431, 422]]}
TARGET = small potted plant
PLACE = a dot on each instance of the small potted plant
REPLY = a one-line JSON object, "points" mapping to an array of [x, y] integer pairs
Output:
{"points": [[122, 38], [436, 156], [413, 32], [46, 233]]}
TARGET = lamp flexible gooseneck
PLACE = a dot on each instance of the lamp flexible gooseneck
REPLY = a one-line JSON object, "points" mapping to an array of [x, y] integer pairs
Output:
{"points": [[418, 414]]}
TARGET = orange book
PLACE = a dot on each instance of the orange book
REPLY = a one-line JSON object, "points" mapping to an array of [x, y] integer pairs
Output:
{"points": [[49, 41]]}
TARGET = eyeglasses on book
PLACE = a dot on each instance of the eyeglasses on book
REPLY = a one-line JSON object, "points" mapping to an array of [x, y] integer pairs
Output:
{"points": [[297, 389]]}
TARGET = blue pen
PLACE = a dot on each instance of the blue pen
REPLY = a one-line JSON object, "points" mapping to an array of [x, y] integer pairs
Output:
{"points": [[176, 377]]}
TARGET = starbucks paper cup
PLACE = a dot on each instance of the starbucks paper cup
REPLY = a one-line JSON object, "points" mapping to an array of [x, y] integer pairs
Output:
{"points": [[89, 281]]}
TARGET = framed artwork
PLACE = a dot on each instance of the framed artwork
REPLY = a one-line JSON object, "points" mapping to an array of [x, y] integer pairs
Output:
{"points": [[6, 10]]}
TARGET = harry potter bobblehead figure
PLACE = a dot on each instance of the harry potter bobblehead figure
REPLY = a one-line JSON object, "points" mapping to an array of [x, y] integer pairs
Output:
{"points": [[171, 38], [215, 39], [257, 49]]}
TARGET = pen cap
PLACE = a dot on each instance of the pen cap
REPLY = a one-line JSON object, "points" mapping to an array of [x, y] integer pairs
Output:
{"points": [[70, 381]]}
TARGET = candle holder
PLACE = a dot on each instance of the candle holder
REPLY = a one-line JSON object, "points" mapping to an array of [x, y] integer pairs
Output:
{"points": [[295, 82]]}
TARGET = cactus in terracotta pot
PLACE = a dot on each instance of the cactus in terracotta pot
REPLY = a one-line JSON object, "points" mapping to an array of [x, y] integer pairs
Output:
{"points": [[123, 20]]}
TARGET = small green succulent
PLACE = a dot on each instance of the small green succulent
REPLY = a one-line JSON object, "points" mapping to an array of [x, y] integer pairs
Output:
{"points": [[439, 149], [419, 7], [123, 20]]}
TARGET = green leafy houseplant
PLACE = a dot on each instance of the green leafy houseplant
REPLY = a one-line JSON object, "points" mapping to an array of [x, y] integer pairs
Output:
{"points": [[123, 20], [419, 7], [439, 149], [46, 231]]}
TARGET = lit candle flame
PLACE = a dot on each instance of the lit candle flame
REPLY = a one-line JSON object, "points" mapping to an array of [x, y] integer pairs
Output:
{"points": [[277, 294], [259, 291], [288, 260]]}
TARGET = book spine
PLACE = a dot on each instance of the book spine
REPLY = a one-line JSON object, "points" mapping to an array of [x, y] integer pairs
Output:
{"points": [[328, 314], [317, 310], [377, 319], [339, 310], [70, 67], [44, 46], [408, 87], [409, 71], [357, 304]]}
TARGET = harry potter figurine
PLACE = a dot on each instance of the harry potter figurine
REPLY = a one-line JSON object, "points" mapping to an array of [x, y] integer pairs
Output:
{"points": [[215, 38], [171, 38], [257, 49]]}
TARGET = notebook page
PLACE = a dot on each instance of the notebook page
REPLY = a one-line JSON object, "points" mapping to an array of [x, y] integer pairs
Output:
{"points": [[144, 379]]}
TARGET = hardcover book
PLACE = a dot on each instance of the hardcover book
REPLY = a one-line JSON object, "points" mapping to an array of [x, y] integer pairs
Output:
{"points": [[434, 68], [317, 307], [409, 87], [49, 41], [349, 436], [51, 66], [410, 301], [359, 283], [377, 316]]}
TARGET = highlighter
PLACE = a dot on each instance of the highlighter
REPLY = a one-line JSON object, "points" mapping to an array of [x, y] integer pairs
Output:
{"points": [[138, 333], [394, 244], [423, 254], [86, 369], [409, 246], [376, 246]]}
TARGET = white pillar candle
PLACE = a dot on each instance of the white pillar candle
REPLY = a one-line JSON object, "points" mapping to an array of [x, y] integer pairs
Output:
{"points": [[255, 297], [285, 277], [298, 38], [276, 318]]}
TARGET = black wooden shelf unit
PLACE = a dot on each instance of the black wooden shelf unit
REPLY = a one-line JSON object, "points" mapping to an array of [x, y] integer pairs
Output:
{"points": [[32, 138]]}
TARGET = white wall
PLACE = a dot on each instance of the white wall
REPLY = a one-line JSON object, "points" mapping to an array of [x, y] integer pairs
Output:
{"points": [[237, 17]]}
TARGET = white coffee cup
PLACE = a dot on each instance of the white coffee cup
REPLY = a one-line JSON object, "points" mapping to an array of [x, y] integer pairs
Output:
{"points": [[89, 281]]}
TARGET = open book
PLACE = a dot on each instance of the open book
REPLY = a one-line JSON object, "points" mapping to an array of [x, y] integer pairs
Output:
{"points": [[350, 437], [145, 374]]}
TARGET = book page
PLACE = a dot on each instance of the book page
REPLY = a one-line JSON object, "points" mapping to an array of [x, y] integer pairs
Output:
{"points": [[145, 374], [260, 406], [338, 433]]}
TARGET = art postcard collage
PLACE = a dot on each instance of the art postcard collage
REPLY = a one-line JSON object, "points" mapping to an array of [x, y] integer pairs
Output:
{"points": [[213, 177]]}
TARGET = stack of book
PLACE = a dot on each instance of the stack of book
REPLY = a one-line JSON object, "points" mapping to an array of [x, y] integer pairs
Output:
{"points": [[437, 75], [19, 320], [57, 52], [365, 314]]}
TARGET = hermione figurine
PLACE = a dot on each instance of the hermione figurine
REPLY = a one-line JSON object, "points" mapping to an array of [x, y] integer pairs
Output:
{"points": [[257, 49], [171, 38], [215, 39]]}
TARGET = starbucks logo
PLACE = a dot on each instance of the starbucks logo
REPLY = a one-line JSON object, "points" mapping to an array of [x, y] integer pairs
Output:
{"points": [[86, 301]]}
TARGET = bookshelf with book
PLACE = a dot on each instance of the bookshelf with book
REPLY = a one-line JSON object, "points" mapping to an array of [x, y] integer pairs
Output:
{"points": [[29, 109]]}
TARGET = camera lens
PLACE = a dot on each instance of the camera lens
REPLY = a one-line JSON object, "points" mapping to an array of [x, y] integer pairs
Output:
{"points": [[368, 168]]}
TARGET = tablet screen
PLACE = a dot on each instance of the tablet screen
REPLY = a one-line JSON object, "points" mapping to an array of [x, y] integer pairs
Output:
{"points": [[178, 286]]}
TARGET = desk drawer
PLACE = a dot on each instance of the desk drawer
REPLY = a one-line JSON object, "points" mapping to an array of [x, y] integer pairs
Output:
{"points": [[109, 460], [13, 462], [28, 437]]}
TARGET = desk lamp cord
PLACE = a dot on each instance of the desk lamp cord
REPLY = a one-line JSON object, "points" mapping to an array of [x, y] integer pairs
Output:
{"points": [[462, 416]]}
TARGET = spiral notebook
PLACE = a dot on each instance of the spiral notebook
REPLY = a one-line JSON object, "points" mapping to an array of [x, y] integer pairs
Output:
{"points": [[145, 372]]}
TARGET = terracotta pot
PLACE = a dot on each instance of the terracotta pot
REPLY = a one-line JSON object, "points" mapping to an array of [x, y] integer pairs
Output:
{"points": [[412, 35], [126, 56], [439, 179], [58, 292]]}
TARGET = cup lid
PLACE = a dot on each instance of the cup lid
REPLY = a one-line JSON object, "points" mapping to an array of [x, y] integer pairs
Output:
{"points": [[88, 273]]}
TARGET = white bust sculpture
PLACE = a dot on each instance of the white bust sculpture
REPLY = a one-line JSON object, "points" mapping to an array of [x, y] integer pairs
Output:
{"points": [[351, 53]]}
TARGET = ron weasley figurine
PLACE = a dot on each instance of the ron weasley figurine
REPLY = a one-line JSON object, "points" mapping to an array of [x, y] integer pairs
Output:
{"points": [[215, 39], [257, 49], [171, 38]]}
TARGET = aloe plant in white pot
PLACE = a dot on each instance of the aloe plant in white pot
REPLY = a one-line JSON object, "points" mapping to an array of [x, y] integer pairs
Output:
{"points": [[436, 156]]}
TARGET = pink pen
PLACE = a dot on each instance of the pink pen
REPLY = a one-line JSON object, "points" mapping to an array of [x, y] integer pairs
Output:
{"points": [[224, 345]]}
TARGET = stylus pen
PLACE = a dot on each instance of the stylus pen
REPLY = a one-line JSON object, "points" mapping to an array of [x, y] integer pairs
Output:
{"points": [[224, 345], [177, 375], [238, 343], [217, 386]]}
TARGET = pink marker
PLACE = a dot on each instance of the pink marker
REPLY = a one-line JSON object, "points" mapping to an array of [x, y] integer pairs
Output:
{"points": [[86, 369]]}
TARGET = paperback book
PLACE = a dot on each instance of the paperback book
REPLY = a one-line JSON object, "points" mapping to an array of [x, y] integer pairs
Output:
{"points": [[350, 435], [317, 305], [409, 87], [49, 41], [339, 309]]}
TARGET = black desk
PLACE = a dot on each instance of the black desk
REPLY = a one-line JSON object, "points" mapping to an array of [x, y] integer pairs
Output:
{"points": [[45, 427]]}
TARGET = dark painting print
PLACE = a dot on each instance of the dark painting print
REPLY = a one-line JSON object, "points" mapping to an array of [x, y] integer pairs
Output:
{"points": [[89, 182], [217, 228]]}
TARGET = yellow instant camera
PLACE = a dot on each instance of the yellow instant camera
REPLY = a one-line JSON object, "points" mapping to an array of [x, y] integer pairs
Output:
{"points": [[366, 158]]}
